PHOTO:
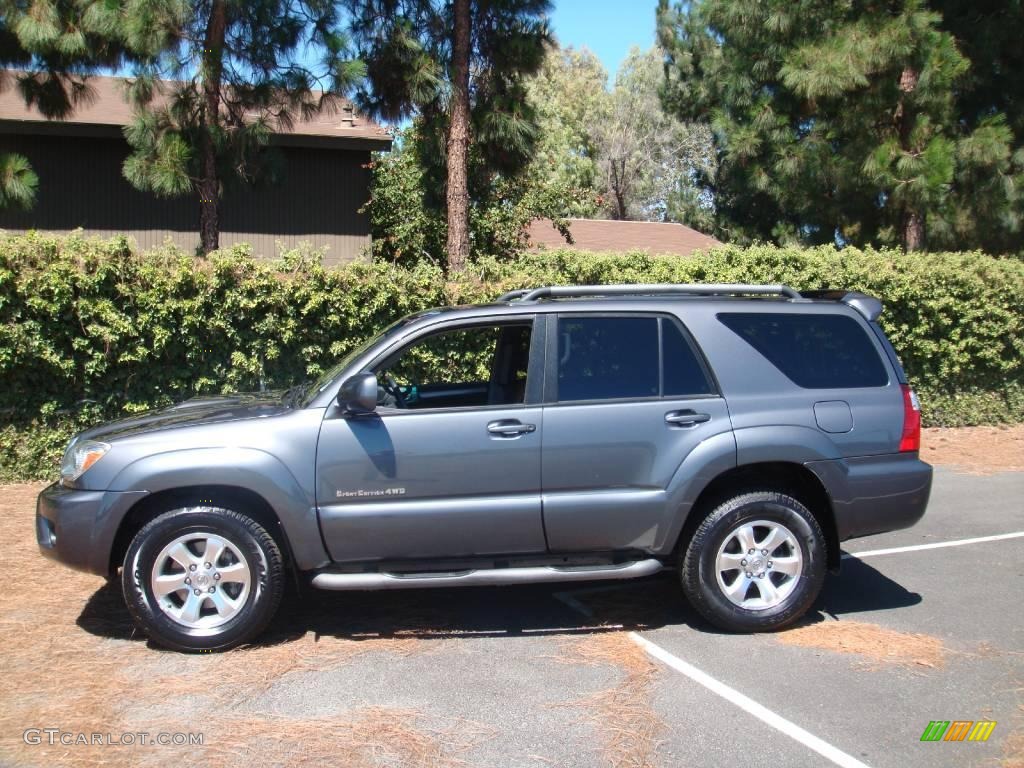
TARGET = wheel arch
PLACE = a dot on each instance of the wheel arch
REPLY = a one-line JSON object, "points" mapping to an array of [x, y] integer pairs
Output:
{"points": [[790, 478], [236, 498]]}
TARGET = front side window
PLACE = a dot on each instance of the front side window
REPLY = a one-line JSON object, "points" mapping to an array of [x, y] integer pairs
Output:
{"points": [[469, 366], [608, 358]]}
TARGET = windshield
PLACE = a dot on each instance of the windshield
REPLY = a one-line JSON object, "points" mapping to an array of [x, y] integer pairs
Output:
{"points": [[332, 373]]}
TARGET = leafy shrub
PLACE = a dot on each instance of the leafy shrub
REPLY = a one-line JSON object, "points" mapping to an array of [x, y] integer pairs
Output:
{"points": [[90, 329]]}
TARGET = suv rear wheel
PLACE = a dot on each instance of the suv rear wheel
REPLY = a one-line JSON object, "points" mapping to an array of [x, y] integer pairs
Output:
{"points": [[756, 562], [202, 579]]}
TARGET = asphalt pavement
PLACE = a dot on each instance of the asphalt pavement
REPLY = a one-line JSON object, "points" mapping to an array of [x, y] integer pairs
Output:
{"points": [[505, 663]]}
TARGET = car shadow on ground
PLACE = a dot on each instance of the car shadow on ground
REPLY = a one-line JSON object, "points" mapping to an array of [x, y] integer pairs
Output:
{"points": [[859, 588], [468, 612], [481, 612]]}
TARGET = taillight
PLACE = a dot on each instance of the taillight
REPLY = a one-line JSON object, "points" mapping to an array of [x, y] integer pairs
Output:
{"points": [[910, 440]]}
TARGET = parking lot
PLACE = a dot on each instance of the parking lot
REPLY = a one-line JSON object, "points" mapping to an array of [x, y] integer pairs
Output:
{"points": [[921, 625]]}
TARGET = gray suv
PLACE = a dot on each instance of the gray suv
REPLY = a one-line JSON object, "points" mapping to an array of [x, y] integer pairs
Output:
{"points": [[733, 433]]}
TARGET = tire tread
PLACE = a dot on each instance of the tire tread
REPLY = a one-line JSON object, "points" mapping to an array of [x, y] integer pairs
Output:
{"points": [[690, 573], [273, 587]]}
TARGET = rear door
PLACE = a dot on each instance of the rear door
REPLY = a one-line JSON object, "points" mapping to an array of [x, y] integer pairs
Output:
{"points": [[628, 397]]}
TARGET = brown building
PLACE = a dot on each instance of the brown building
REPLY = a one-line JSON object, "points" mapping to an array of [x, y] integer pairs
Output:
{"points": [[656, 238], [78, 161]]}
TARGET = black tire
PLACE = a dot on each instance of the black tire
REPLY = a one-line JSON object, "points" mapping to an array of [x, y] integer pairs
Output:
{"points": [[700, 575], [264, 586]]}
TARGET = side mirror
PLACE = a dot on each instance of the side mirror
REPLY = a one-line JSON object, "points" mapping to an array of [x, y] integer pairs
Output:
{"points": [[358, 394]]}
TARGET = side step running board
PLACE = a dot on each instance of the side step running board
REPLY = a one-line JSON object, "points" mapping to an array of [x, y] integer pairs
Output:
{"points": [[485, 577]]}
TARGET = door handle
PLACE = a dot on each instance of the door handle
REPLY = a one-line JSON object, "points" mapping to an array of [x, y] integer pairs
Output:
{"points": [[510, 428], [686, 418]]}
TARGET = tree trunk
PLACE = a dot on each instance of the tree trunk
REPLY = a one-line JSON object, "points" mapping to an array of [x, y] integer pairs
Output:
{"points": [[911, 219], [618, 182], [913, 230], [209, 183], [458, 142]]}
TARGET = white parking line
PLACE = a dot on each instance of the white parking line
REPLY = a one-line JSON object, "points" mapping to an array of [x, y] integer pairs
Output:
{"points": [[936, 545], [747, 704], [744, 702], [731, 695]]}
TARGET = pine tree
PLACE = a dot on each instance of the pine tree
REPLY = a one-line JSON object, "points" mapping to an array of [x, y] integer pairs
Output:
{"points": [[18, 182], [836, 121], [216, 79], [459, 65], [407, 217], [987, 202], [47, 50]]}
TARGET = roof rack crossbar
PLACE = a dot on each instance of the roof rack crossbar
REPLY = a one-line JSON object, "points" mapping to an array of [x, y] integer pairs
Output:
{"points": [[697, 289]]}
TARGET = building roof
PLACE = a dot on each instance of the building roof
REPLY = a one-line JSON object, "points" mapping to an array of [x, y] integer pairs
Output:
{"points": [[608, 235], [105, 111]]}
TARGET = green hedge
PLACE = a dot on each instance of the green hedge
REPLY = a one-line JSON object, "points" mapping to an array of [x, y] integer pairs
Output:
{"points": [[90, 329]]}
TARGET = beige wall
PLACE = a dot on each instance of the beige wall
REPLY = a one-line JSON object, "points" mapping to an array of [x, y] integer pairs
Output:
{"points": [[80, 185]]}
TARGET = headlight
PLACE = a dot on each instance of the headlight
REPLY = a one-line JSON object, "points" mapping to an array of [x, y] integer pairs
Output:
{"points": [[79, 457]]}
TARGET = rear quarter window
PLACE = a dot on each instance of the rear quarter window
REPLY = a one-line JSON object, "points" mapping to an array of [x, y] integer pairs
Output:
{"points": [[814, 351]]}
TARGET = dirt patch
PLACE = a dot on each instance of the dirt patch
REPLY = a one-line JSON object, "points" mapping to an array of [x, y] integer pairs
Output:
{"points": [[976, 450], [623, 715], [1013, 747], [1013, 751], [372, 736], [871, 642], [61, 670]]}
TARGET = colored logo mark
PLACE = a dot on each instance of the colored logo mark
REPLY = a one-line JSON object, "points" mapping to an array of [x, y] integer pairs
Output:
{"points": [[958, 730]]}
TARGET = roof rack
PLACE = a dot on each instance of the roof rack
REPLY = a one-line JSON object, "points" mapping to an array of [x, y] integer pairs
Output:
{"points": [[868, 306], [512, 295], [694, 289]]}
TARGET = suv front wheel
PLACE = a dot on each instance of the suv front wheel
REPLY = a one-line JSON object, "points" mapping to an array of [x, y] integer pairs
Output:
{"points": [[756, 562], [202, 579]]}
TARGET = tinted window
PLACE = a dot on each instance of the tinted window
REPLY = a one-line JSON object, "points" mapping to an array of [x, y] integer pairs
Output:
{"points": [[601, 358], [684, 374], [814, 351]]}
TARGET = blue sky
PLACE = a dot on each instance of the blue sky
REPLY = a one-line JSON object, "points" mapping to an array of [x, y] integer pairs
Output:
{"points": [[607, 27]]}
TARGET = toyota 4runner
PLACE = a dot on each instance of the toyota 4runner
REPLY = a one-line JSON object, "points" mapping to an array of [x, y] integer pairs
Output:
{"points": [[733, 433]]}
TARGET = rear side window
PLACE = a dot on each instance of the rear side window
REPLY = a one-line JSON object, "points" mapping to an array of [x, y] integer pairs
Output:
{"points": [[608, 358], [813, 351], [602, 358], [683, 374]]}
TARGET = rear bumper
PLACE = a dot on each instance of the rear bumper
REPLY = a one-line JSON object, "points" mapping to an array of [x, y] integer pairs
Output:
{"points": [[77, 527], [875, 494]]}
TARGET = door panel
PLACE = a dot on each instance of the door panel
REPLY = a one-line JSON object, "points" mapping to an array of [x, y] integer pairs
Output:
{"points": [[634, 398], [407, 484], [606, 468], [453, 471]]}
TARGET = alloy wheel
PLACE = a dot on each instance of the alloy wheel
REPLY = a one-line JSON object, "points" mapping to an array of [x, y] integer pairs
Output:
{"points": [[759, 564]]}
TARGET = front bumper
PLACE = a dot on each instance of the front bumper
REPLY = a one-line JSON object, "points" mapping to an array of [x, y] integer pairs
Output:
{"points": [[77, 527]]}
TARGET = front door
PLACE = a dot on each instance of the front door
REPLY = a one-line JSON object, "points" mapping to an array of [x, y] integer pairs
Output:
{"points": [[629, 398], [449, 464]]}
